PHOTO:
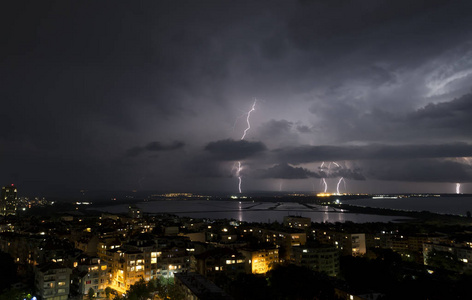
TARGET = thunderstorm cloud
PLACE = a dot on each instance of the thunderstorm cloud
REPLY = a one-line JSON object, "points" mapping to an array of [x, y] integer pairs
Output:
{"points": [[154, 147], [234, 150], [285, 171], [420, 170], [306, 154], [91, 90]]}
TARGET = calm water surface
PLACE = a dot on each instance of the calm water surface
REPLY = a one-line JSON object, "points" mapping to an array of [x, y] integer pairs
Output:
{"points": [[441, 205], [249, 211]]}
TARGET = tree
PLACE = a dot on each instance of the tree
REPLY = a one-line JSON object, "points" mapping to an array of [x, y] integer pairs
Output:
{"points": [[8, 275], [91, 293], [166, 289], [12, 294], [139, 291], [108, 291], [250, 287], [294, 282], [444, 260]]}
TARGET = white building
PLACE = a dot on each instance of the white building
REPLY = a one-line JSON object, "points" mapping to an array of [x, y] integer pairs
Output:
{"points": [[52, 281]]}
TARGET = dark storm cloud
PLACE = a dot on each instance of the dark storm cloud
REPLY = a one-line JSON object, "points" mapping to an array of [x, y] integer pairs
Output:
{"points": [[306, 154], [277, 133], [135, 151], [285, 171], [419, 170], [275, 128], [84, 81], [157, 146], [202, 166], [154, 147], [230, 150], [353, 174], [328, 27], [303, 129], [444, 121]]}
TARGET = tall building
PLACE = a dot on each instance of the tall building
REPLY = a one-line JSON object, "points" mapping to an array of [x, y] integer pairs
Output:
{"points": [[8, 201], [261, 260], [134, 212], [217, 261], [91, 273], [320, 258], [52, 281], [349, 243], [297, 222]]}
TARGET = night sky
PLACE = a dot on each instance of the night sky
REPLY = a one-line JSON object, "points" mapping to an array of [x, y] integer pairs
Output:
{"points": [[152, 95]]}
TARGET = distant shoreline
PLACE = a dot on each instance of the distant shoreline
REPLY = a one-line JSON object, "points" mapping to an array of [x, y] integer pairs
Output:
{"points": [[414, 216]]}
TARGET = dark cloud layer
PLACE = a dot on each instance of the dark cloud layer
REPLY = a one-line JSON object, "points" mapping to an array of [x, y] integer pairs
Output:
{"points": [[285, 171], [154, 147], [346, 173], [307, 154], [446, 121], [234, 150], [420, 170], [384, 87]]}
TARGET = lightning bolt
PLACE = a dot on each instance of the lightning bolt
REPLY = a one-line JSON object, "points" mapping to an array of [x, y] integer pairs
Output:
{"points": [[323, 180], [458, 188], [253, 108], [325, 185], [238, 170], [337, 186], [328, 172], [237, 166]]}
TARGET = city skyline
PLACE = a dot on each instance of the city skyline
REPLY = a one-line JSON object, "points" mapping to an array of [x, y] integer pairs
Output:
{"points": [[157, 96]]}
